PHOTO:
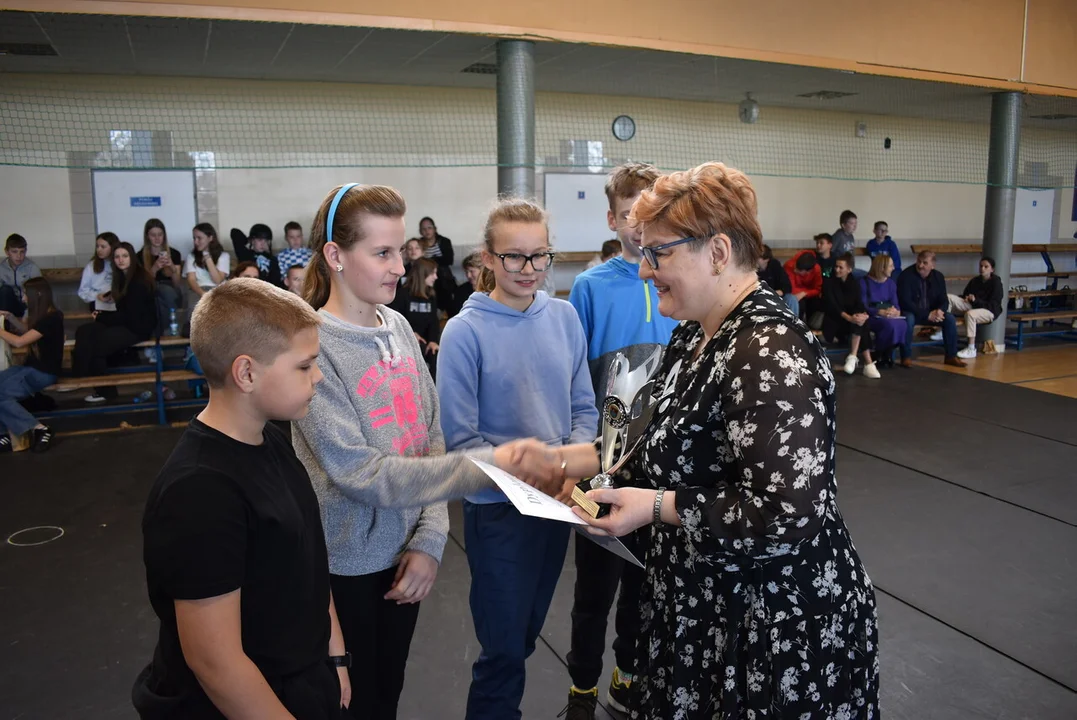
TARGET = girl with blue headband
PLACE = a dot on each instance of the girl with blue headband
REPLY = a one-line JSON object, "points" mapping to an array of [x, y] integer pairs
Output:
{"points": [[373, 446]]}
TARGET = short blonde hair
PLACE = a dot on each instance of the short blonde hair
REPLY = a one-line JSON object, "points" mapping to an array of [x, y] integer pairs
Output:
{"points": [[703, 202], [245, 316], [629, 180]]}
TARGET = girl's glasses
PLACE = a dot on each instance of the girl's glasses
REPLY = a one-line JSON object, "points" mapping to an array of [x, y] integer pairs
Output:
{"points": [[515, 262], [650, 253]]}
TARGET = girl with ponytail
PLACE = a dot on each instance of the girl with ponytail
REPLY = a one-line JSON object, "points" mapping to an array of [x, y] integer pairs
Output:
{"points": [[372, 442]]}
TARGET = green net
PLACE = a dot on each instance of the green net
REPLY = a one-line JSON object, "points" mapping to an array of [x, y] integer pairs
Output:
{"points": [[83, 91]]}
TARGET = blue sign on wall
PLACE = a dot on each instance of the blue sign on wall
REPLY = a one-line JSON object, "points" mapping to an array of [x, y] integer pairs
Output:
{"points": [[146, 201], [581, 194]]}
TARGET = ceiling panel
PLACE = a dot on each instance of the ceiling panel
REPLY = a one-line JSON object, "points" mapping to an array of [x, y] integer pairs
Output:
{"points": [[239, 49]]}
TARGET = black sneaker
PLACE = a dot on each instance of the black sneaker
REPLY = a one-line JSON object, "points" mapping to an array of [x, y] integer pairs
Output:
{"points": [[40, 439], [620, 687], [581, 704], [5, 444]]}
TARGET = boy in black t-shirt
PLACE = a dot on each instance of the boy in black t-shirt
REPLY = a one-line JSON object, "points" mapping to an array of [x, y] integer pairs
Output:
{"points": [[236, 564]]}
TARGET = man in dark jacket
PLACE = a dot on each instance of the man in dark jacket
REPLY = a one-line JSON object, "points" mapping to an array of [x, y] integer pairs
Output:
{"points": [[773, 274], [922, 293]]}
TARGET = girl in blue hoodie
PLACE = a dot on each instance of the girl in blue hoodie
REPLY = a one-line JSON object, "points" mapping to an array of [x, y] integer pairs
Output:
{"points": [[513, 364]]}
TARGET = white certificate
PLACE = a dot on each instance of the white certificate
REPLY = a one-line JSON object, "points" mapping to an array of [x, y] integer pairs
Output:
{"points": [[533, 502]]}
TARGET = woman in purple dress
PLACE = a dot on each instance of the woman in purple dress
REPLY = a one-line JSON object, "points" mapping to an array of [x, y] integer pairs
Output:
{"points": [[880, 295]]}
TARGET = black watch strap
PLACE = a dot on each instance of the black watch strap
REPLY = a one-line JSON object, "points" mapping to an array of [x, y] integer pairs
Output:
{"points": [[340, 661]]}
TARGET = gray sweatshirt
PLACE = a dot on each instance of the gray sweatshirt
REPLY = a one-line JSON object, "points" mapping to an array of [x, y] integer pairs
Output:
{"points": [[372, 422]]}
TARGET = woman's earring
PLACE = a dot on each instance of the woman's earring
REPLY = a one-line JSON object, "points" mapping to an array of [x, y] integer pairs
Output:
{"points": [[340, 268], [718, 269]]}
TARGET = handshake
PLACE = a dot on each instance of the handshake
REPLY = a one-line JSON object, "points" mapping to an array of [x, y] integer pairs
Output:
{"points": [[537, 464]]}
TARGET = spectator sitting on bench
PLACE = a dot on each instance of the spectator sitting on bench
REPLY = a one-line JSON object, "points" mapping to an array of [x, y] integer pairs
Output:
{"points": [[472, 269], [806, 282], [922, 292], [297, 252], [773, 274], [610, 250], [208, 264], [882, 244], [14, 272], [133, 322], [880, 295], [95, 287], [844, 316], [293, 279], [843, 239], [824, 254], [43, 333], [980, 303], [246, 269], [164, 264], [258, 249]]}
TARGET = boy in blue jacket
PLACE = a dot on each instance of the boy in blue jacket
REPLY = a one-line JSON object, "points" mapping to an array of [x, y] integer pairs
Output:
{"points": [[619, 313]]}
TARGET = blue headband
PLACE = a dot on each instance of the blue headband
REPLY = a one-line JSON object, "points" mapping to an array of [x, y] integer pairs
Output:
{"points": [[333, 210]]}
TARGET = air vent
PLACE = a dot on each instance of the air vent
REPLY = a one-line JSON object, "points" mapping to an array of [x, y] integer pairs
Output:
{"points": [[827, 95], [31, 49], [1054, 116], [481, 69]]}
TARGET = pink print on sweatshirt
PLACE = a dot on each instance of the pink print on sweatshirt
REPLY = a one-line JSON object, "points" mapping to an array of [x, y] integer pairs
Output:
{"points": [[402, 412]]}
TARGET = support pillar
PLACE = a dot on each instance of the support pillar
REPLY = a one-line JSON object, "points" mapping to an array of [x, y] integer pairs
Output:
{"points": [[516, 118], [1002, 161]]}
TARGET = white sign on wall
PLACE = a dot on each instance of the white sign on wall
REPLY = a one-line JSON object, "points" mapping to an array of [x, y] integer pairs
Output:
{"points": [[577, 206], [125, 199]]}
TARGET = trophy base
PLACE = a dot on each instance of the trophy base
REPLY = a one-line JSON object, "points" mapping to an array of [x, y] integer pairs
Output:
{"points": [[589, 506]]}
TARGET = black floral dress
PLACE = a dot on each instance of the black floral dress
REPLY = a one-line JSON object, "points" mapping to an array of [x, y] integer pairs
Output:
{"points": [[758, 607]]}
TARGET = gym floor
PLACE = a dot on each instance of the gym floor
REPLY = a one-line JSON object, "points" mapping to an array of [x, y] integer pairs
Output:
{"points": [[960, 494]]}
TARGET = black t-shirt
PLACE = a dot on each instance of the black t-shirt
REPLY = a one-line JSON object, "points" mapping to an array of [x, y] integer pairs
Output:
{"points": [[177, 260], [47, 354], [223, 516]]}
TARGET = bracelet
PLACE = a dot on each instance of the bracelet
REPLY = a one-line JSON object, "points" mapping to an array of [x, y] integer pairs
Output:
{"points": [[564, 466], [658, 496]]}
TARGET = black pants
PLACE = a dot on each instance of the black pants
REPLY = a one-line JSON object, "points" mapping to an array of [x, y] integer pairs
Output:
{"points": [[94, 343], [377, 632], [598, 573], [837, 328], [10, 301]]}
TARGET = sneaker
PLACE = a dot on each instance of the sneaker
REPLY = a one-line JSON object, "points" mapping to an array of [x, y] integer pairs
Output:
{"points": [[850, 364], [620, 687], [870, 371], [40, 438], [95, 398], [937, 336], [955, 362], [581, 704], [5, 447], [968, 353]]}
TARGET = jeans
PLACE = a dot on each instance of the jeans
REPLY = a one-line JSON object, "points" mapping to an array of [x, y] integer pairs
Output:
{"points": [[792, 303], [515, 563], [949, 332], [16, 383]]}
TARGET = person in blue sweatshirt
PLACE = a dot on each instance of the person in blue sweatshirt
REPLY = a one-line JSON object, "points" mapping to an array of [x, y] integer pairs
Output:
{"points": [[513, 364], [882, 244], [619, 313]]}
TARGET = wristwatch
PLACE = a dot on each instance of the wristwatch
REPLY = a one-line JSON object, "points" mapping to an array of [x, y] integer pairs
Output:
{"points": [[340, 661]]}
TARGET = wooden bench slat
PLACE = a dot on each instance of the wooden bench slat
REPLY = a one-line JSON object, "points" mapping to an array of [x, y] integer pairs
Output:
{"points": [[1042, 275], [1054, 315], [948, 249], [62, 274], [122, 379], [1040, 293], [1061, 247]]}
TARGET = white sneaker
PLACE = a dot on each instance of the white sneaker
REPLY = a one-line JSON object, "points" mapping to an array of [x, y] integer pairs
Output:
{"points": [[870, 371], [937, 335], [850, 364], [95, 398], [968, 353]]}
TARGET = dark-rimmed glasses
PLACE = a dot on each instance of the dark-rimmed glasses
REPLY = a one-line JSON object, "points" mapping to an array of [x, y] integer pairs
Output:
{"points": [[650, 253], [515, 262]]}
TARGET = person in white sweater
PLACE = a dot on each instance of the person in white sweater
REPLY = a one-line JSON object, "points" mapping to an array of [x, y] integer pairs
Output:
{"points": [[95, 287]]}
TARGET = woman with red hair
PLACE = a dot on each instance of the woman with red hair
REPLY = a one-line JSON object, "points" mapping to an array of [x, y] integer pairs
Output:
{"points": [[757, 604]]}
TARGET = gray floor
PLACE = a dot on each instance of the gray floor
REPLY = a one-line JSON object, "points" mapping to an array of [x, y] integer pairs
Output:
{"points": [[959, 493]]}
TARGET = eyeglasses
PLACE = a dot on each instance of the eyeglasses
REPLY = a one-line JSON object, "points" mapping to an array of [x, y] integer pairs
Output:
{"points": [[650, 253], [515, 262]]}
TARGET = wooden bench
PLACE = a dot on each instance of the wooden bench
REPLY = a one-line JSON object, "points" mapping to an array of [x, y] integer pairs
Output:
{"points": [[69, 345], [157, 379], [62, 275], [1022, 318]]}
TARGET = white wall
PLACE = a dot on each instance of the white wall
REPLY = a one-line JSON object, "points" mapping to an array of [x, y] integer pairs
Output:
{"points": [[36, 203]]}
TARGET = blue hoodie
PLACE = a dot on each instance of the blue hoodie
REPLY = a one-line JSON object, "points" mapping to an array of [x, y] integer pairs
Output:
{"points": [[887, 246], [619, 312], [505, 374]]}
